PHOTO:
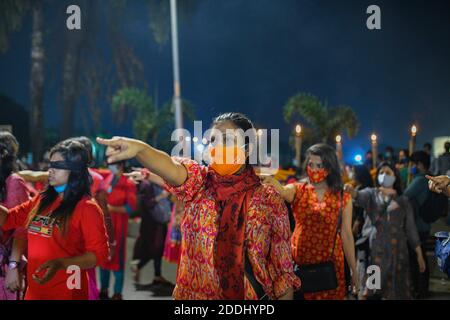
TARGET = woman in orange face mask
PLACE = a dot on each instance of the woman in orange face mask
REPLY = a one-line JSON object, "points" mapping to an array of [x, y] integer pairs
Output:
{"points": [[235, 231], [321, 209]]}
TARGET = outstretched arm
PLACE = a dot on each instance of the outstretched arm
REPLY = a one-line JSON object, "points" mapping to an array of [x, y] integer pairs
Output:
{"points": [[439, 184], [34, 176], [159, 162], [287, 192]]}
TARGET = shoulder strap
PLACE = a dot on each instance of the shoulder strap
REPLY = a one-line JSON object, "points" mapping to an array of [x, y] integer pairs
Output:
{"points": [[338, 225], [259, 290]]}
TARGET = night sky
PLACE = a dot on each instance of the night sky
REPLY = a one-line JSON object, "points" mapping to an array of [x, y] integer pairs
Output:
{"points": [[252, 55]]}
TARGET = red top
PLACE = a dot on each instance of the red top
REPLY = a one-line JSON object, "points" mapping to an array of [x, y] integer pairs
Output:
{"points": [[121, 193], [98, 183], [86, 233], [17, 191]]}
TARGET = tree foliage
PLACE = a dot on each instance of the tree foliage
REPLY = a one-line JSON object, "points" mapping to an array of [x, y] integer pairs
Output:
{"points": [[149, 120], [323, 123], [11, 16]]}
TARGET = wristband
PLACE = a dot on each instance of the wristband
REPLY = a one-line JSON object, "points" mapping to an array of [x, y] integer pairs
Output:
{"points": [[146, 173], [13, 265]]}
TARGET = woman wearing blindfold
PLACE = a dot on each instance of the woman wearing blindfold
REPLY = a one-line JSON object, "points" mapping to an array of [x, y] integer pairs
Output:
{"points": [[66, 229], [232, 224]]}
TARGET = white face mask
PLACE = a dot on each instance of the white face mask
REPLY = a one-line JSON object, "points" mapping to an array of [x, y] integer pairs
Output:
{"points": [[385, 180]]}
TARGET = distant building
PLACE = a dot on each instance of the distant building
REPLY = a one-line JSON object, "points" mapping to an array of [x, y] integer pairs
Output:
{"points": [[438, 145]]}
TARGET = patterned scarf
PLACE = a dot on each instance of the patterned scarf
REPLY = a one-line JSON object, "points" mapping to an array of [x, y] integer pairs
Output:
{"points": [[231, 193]]}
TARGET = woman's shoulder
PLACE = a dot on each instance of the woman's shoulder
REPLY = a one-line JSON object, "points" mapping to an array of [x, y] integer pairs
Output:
{"points": [[87, 203], [265, 190], [300, 187], [15, 180], [267, 195]]}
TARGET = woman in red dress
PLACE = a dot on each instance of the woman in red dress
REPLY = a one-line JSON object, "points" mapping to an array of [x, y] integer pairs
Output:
{"points": [[172, 247], [98, 191], [121, 202], [316, 206], [65, 228]]}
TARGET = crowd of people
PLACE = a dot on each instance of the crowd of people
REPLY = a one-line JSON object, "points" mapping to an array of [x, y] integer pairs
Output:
{"points": [[227, 227]]}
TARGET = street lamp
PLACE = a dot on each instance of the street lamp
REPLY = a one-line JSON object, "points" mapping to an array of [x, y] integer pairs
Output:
{"points": [[412, 146], [374, 138], [339, 147], [412, 140], [176, 66], [298, 144]]}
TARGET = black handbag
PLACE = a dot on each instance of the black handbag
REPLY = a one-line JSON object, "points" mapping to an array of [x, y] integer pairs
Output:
{"points": [[320, 276]]}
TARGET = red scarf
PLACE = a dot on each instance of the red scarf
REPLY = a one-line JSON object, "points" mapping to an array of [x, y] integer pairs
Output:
{"points": [[230, 193]]}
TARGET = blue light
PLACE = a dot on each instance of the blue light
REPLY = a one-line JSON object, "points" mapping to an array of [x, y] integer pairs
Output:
{"points": [[358, 158]]}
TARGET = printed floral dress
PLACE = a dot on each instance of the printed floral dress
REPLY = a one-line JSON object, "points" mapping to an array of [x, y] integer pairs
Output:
{"points": [[267, 237], [314, 234]]}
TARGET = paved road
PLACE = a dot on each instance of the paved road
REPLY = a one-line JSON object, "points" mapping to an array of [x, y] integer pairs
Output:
{"points": [[439, 283], [129, 292]]}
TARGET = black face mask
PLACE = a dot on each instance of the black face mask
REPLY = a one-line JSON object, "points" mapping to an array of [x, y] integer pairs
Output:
{"points": [[67, 165]]}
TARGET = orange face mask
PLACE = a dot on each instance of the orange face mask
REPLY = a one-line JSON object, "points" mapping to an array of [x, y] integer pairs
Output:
{"points": [[219, 160]]}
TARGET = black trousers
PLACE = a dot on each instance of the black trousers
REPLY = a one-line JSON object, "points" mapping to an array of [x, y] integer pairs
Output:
{"points": [[419, 281], [156, 263]]}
